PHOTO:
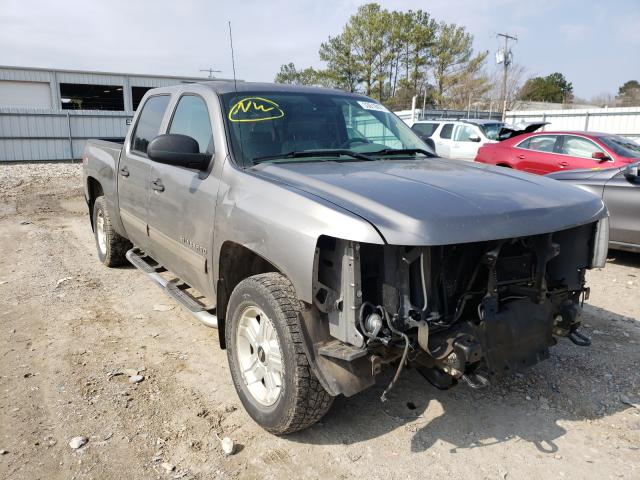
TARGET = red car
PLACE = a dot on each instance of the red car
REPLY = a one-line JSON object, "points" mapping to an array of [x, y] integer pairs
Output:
{"points": [[545, 152]]}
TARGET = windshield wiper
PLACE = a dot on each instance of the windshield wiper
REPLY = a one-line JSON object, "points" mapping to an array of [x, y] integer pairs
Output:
{"points": [[313, 153], [402, 151]]}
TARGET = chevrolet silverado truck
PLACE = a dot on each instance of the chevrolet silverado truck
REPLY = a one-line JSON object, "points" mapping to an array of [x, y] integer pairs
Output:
{"points": [[326, 243]]}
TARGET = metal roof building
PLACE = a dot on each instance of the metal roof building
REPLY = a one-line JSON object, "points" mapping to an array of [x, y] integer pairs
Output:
{"points": [[48, 114]]}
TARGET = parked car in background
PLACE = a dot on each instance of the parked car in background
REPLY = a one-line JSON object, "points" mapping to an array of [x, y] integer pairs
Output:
{"points": [[461, 139], [425, 129], [619, 188], [546, 152]]}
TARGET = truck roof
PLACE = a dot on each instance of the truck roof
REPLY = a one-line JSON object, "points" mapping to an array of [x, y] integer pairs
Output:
{"points": [[223, 86]]}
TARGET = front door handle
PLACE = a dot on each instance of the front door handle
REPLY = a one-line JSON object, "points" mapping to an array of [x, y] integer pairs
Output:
{"points": [[124, 171], [521, 157], [563, 164], [157, 185]]}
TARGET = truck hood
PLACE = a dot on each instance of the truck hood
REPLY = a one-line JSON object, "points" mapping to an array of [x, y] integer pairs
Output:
{"points": [[438, 202]]}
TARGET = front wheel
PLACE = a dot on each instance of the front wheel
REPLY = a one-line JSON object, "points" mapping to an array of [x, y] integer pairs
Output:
{"points": [[268, 365]]}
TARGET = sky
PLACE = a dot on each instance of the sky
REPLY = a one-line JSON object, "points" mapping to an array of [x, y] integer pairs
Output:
{"points": [[595, 44]]}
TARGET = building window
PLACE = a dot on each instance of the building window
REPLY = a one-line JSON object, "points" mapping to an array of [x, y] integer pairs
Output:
{"points": [[75, 96], [136, 95]]}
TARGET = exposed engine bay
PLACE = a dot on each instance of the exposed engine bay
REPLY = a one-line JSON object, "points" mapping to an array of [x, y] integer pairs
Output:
{"points": [[468, 312]]}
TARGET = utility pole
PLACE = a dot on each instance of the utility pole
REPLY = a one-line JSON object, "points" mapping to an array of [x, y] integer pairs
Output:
{"points": [[211, 71], [505, 59]]}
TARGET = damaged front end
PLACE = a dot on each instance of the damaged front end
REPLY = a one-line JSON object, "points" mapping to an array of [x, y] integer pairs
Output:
{"points": [[467, 312]]}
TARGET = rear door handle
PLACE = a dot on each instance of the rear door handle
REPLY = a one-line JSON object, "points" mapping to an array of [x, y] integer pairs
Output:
{"points": [[157, 185], [563, 164], [124, 171], [521, 157]]}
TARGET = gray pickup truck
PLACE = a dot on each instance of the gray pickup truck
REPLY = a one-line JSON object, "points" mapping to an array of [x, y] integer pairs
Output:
{"points": [[326, 241]]}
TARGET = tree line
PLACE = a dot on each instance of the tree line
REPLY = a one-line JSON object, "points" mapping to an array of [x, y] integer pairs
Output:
{"points": [[555, 88], [393, 56]]}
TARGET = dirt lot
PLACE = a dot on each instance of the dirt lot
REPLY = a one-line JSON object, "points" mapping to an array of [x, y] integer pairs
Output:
{"points": [[68, 326]]}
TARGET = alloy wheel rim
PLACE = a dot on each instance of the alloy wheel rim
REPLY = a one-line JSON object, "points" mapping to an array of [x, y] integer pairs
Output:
{"points": [[259, 356]]}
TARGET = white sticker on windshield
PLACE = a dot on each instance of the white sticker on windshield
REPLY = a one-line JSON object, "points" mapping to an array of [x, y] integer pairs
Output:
{"points": [[372, 106]]}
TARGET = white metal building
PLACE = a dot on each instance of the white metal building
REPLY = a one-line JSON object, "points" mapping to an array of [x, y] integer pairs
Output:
{"points": [[48, 114]]}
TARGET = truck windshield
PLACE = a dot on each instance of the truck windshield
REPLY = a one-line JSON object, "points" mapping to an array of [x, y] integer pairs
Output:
{"points": [[275, 124], [491, 130]]}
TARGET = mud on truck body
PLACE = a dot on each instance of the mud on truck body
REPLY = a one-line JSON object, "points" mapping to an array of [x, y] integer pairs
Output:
{"points": [[325, 241]]}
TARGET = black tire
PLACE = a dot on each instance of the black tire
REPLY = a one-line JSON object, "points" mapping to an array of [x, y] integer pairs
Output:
{"points": [[302, 400], [115, 247]]}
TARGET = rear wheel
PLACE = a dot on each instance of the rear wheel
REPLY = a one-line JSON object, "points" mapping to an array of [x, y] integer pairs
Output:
{"points": [[112, 247], [268, 365]]}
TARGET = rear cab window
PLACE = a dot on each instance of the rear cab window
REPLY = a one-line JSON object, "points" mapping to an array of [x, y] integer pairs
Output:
{"points": [[149, 121]]}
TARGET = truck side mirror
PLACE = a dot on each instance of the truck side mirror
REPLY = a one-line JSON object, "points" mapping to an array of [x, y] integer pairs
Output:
{"points": [[474, 138], [178, 150]]}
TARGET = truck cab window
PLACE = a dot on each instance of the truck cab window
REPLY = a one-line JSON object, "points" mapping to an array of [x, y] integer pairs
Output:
{"points": [[149, 121], [191, 118], [446, 131], [464, 133]]}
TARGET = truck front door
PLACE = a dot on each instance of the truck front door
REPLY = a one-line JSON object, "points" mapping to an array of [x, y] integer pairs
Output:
{"points": [[462, 147], [134, 170], [183, 201]]}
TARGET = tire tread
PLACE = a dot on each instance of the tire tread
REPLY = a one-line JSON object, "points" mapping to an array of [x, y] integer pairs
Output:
{"points": [[117, 245], [311, 401]]}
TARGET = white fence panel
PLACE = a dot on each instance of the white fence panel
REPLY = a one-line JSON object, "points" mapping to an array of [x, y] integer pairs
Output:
{"points": [[619, 120]]}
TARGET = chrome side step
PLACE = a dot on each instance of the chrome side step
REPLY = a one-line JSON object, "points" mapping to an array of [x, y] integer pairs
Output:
{"points": [[175, 288]]}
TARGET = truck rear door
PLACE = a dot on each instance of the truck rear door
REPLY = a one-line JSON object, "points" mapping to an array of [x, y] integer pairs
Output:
{"points": [[443, 140], [182, 201], [134, 170]]}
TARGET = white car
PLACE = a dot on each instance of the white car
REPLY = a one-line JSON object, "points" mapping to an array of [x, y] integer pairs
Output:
{"points": [[461, 139]]}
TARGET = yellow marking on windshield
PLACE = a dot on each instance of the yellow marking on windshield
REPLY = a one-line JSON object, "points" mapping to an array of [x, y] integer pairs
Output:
{"points": [[255, 109]]}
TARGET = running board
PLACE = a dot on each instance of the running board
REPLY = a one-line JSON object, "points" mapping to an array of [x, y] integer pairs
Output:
{"points": [[174, 288]]}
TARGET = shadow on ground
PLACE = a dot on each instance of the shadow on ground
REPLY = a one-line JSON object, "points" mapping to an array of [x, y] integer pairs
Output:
{"points": [[575, 383], [627, 259]]}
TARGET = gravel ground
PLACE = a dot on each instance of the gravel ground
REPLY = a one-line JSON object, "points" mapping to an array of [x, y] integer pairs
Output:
{"points": [[73, 334]]}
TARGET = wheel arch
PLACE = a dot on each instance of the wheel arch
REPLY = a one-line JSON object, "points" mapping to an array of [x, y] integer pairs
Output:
{"points": [[237, 262], [94, 190]]}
